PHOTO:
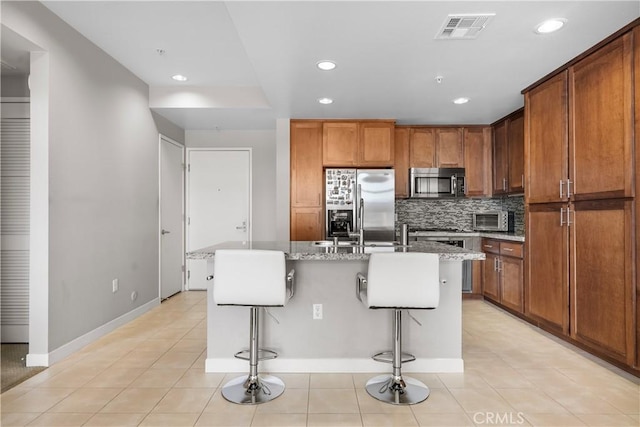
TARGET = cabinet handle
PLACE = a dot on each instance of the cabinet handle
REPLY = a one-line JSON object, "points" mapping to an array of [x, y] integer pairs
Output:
{"points": [[561, 216], [568, 190], [561, 189], [508, 249], [499, 263], [487, 246], [504, 184], [522, 178], [495, 264], [569, 216]]}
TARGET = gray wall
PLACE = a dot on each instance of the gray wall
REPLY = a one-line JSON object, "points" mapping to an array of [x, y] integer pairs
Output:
{"points": [[103, 178], [263, 144], [14, 86]]}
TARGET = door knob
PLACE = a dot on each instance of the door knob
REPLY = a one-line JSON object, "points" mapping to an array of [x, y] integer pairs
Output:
{"points": [[163, 232]]}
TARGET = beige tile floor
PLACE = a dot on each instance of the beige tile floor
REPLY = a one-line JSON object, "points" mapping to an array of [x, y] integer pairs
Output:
{"points": [[150, 372]]}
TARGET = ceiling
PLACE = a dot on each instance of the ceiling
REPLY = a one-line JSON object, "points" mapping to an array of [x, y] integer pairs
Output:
{"points": [[249, 63]]}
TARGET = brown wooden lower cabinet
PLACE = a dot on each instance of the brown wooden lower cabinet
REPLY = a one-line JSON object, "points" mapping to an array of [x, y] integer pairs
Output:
{"points": [[306, 224], [503, 273], [547, 275], [580, 270], [602, 286]]}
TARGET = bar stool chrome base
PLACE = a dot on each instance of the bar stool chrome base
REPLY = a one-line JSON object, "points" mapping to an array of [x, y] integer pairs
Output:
{"points": [[251, 391], [397, 390]]}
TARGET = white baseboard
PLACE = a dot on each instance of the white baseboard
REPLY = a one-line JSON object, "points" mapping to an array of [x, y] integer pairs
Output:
{"points": [[71, 347], [334, 365]]}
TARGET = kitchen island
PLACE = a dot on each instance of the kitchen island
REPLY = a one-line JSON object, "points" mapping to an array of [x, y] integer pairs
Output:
{"points": [[348, 333]]}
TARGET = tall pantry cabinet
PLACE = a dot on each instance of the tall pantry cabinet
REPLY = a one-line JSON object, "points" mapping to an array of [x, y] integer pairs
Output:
{"points": [[579, 200], [306, 180]]}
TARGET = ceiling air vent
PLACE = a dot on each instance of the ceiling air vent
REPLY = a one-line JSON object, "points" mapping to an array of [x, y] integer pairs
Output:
{"points": [[463, 27]]}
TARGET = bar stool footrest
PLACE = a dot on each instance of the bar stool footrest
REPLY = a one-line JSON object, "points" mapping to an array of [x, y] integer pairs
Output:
{"points": [[262, 355], [387, 357]]}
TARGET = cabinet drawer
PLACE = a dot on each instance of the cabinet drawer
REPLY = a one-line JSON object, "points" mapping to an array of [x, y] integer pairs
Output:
{"points": [[491, 246], [511, 249]]}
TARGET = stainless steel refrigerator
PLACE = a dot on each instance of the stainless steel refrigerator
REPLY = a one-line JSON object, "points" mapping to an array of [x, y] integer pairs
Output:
{"points": [[358, 198]]}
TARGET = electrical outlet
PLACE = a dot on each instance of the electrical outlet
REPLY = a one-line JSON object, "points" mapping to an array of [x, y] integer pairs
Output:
{"points": [[317, 311], [115, 285]]}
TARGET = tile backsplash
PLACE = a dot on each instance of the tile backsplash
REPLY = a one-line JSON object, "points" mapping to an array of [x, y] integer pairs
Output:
{"points": [[455, 213]]}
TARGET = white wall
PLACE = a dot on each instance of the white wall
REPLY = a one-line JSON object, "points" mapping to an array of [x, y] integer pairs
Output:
{"points": [[102, 179], [263, 143]]}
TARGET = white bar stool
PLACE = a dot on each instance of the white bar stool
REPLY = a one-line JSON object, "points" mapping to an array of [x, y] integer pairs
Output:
{"points": [[253, 278], [399, 281]]}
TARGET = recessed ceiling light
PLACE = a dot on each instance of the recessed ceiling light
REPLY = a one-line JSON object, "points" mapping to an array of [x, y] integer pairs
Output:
{"points": [[326, 65], [179, 78], [325, 101], [461, 100], [550, 25]]}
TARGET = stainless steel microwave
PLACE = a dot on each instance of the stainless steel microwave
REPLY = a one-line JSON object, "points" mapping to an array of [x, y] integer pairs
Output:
{"points": [[493, 221], [436, 182]]}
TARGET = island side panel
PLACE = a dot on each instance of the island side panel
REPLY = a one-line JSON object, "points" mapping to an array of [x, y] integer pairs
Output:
{"points": [[348, 334]]}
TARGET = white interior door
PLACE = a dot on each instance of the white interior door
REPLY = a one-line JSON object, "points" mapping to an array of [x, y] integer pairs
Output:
{"points": [[171, 217], [218, 203]]}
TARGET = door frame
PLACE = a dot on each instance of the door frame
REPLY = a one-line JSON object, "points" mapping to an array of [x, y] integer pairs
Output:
{"points": [[249, 150], [162, 137]]}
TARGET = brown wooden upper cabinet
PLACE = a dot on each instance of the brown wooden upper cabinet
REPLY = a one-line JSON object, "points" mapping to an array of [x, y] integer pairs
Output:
{"points": [[376, 144], [432, 147], [339, 144], [508, 154], [547, 141], [354, 144], [422, 148], [401, 161], [477, 160], [601, 123], [449, 148], [580, 129]]}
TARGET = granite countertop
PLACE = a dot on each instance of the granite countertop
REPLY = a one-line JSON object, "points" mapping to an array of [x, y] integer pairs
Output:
{"points": [[302, 250]]}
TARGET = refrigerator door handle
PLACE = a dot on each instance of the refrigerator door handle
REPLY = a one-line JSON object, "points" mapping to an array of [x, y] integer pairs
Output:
{"points": [[355, 205], [360, 208]]}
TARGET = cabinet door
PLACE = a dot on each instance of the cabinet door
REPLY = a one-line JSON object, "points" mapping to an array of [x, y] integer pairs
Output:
{"points": [[602, 286], [422, 148], [636, 68], [477, 161], [547, 274], [449, 148], [515, 138], [511, 276], [339, 144], [401, 161], [306, 164], [491, 278], [500, 158], [306, 224], [601, 123], [376, 144], [546, 140]]}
